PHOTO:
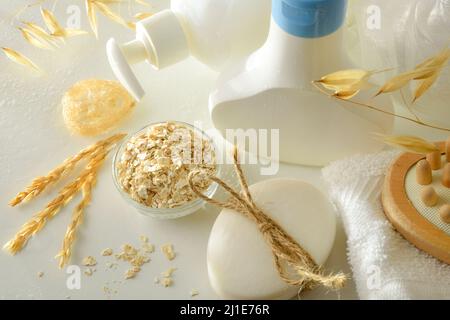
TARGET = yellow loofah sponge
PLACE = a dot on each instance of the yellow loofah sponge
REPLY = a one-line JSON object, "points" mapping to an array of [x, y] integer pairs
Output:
{"points": [[91, 107]]}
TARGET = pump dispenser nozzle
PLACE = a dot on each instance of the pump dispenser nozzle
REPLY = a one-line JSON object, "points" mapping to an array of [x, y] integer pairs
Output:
{"points": [[160, 40]]}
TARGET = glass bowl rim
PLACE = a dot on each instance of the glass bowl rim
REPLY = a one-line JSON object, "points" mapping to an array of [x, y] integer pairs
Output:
{"points": [[163, 212]]}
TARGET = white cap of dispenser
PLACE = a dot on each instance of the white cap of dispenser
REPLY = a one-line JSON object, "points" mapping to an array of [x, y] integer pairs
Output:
{"points": [[160, 40]]}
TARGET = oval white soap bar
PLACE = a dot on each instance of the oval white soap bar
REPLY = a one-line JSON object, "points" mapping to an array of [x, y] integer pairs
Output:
{"points": [[240, 263]]}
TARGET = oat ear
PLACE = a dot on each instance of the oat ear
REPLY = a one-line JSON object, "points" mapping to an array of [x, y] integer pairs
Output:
{"points": [[19, 58], [109, 13], [34, 39], [52, 23], [428, 71], [142, 15], [408, 143], [403, 79], [424, 86], [92, 17], [142, 2], [347, 83], [346, 95]]}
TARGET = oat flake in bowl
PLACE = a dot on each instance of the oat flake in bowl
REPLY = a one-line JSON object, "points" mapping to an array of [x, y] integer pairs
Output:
{"points": [[151, 168]]}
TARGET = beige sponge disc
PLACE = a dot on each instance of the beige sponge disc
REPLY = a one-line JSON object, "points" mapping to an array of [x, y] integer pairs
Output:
{"points": [[92, 106]]}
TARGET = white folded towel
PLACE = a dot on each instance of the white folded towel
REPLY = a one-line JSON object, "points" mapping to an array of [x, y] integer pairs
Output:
{"points": [[384, 264]]}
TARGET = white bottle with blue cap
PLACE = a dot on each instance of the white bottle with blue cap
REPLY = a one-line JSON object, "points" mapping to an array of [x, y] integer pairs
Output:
{"points": [[271, 88], [216, 32]]}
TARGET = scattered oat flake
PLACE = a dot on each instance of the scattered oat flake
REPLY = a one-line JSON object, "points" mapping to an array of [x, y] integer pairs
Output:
{"points": [[144, 239], [107, 291], [194, 293], [168, 273], [156, 280], [154, 167], [111, 265], [40, 274], [139, 260], [167, 282], [148, 248], [107, 252], [89, 272], [131, 273], [89, 261], [167, 249]]}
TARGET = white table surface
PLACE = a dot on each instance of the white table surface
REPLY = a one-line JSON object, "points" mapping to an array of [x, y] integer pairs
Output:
{"points": [[33, 140]]}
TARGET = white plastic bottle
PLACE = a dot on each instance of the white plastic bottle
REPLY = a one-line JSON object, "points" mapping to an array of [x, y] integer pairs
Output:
{"points": [[216, 32], [271, 88]]}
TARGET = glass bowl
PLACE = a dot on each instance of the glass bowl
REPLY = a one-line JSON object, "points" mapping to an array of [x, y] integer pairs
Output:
{"points": [[164, 213]]}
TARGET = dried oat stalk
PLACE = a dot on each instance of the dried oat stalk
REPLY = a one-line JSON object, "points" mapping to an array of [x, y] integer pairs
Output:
{"points": [[56, 30], [138, 17], [142, 15], [40, 219], [33, 39], [346, 84], [92, 17], [142, 2], [103, 6], [41, 183], [77, 219], [52, 24], [426, 73], [109, 13], [39, 32], [19, 58], [85, 181], [409, 143]]}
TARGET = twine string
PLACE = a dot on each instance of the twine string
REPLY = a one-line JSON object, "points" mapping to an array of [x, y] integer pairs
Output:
{"points": [[303, 271]]}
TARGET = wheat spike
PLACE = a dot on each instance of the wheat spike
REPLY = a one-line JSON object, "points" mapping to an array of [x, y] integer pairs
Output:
{"points": [[77, 219], [39, 184], [39, 220]]}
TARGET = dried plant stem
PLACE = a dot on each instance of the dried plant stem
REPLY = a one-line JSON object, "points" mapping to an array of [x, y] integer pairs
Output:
{"points": [[361, 104], [22, 9], [77, 218], [41, 183], [33, 226], [408, 106]]}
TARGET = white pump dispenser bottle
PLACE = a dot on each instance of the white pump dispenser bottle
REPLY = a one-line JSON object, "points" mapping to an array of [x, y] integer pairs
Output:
{"points": [[216, 32], [271, 88]]}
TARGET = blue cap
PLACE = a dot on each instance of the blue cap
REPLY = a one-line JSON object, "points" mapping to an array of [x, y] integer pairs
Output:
{"points": [[309, 18]]}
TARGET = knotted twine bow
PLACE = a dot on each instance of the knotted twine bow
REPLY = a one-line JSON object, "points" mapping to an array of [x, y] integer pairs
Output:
{"points": [[303, 272]]}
